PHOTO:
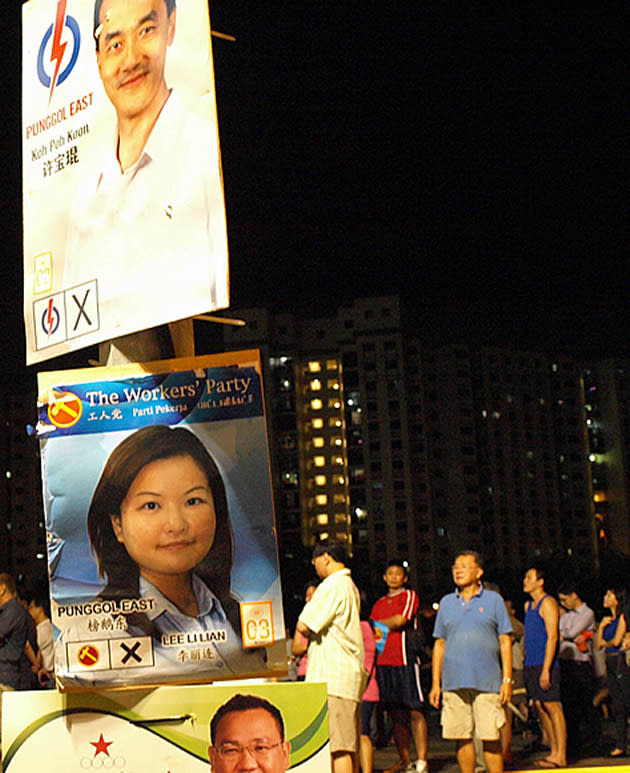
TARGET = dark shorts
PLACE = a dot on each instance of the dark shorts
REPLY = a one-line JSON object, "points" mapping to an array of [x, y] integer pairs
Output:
{"points": [[367, 709], [399, 687], [535, 692]]}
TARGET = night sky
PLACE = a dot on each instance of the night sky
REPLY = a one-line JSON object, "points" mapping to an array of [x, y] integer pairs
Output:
{"points": [[474, 162]]}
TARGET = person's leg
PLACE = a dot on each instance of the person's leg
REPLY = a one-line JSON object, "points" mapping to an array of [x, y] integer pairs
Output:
{"points": [[420, 733], [489, 717], [492, 756], [546, 725], [366, 754], [570, 702], [402, 736], [506, 737], [366, 750], [621, 728], [466, 755], [343, 762], [614, 674], [345, 726], [588, 714], [557, 731]]}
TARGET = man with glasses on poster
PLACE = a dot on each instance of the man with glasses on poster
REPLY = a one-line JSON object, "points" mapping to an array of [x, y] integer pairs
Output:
{"points": [[247, 733]]}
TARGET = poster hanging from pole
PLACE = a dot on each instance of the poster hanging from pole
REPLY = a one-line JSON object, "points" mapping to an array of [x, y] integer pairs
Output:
{"points": [[170, 729], [124, 216], [160, 529]]}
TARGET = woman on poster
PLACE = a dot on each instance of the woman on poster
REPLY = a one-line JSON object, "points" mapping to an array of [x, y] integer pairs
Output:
{"points": [[159, 528]]}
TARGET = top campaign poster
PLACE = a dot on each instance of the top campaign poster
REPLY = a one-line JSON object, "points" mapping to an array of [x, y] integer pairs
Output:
{"points": [[161, 539], [124, 215], [169, 730]]}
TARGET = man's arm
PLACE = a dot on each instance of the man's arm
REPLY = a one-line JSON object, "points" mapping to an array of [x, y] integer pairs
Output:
{"points": [[33, 657], [616, 640], [304, 630], [436, 671], [549, 614], [300, 640], [394, 622], [576, 622], [505, 647]]}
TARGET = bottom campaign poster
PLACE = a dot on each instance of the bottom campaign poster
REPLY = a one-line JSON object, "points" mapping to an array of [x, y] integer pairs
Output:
{"points": [[281, 726]]}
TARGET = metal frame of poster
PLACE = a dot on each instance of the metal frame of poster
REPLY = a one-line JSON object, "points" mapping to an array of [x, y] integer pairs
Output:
{"points": [[155, 731], [161, 538], [114, 245]]}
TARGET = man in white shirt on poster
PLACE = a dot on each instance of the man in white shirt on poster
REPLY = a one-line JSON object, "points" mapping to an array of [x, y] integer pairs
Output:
{"points": [[148, 222]]}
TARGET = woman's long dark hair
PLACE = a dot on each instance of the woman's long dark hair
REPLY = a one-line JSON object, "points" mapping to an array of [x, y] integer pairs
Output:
{"points": [[125, 462], [620, 594]]}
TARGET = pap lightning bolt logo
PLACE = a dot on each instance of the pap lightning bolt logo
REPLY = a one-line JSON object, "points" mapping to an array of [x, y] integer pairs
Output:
{"points": [[52, 51], [51, 317], [58, 48]]}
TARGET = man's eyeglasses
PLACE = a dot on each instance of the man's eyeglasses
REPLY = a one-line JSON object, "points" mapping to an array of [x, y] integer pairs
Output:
{"points": [[230, 752]]}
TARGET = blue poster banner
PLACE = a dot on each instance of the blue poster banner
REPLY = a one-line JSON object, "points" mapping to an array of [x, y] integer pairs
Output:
{"points": [[160, 528]]}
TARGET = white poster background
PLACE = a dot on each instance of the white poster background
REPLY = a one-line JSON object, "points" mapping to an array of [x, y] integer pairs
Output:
{"points": [[119, 289]]}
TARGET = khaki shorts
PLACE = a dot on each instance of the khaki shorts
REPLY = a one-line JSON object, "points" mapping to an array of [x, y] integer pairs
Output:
{"points": [[344, 722], [463, 710]]}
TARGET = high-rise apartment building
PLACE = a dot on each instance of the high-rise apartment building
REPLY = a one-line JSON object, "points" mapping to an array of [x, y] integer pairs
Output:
{"points": [[428, 450], [23, 544], [607, 404], [401, 449]]}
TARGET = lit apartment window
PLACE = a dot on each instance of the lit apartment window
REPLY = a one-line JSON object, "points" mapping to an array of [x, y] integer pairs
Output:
{"points": [[318, 424], [318, 442], [314, 367], [320, 480], [321, 499], [319, 461], [316, 385], [338, 460], [337, 441], [332, 383], [317, 404], [322, 519], [339, 499], [334, 422], [340, 480], [332, 364], [333, 403]]}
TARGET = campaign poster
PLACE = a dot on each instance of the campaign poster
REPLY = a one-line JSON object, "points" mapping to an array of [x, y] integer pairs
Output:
{"points": [[161, 539], [168, 730], [124, 214]]}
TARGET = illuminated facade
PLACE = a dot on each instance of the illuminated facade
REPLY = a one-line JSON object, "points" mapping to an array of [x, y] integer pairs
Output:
{"points": [[400, 449], [607, 404], [441, 448], [323, 454]]}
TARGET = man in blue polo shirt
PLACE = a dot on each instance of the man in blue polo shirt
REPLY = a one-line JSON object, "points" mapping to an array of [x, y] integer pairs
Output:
{"points": [[472, 664]]}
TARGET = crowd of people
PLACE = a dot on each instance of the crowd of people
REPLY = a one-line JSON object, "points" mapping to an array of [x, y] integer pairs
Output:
{"points": [[26, 639], [487, 667]]}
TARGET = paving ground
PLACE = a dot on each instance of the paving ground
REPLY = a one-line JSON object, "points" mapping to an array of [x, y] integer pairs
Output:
{"points": [[442, 754]]}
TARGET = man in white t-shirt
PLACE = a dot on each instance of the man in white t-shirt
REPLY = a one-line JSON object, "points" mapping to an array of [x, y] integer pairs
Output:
{"points": [[331, 622]]}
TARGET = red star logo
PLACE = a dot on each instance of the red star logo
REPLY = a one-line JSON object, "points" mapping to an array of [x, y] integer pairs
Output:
{"points": [[101, 745]]}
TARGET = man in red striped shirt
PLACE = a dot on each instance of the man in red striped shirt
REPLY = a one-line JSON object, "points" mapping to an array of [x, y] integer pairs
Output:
{"points": [[397, 672]]}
